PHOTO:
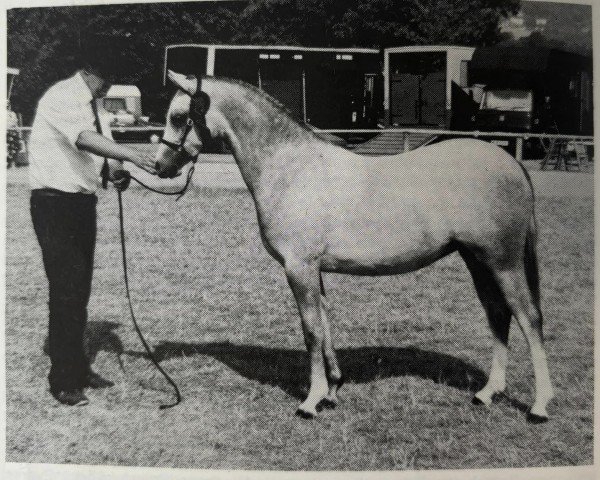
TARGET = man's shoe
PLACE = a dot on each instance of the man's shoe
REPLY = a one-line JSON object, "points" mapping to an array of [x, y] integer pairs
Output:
{"points": [[74, 398], [93, 380]]}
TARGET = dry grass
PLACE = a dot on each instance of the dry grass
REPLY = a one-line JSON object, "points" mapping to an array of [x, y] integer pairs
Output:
{"points": [[222, 319]]}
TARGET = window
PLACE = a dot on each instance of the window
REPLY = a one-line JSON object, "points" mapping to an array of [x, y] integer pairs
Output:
{"points": [[113, 105], [508, 100], [269, 56]]}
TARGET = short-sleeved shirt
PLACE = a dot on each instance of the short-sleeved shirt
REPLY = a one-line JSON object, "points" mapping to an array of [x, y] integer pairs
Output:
{"points": [[63, 112]]}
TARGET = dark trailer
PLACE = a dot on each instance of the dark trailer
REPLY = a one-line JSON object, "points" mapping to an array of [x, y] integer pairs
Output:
{"points": [[532, 89], [424, 86], [323, 87]]}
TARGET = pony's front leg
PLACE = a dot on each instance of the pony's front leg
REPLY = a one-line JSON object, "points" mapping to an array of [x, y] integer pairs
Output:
{"points": [[303, 278], [334, 374]]}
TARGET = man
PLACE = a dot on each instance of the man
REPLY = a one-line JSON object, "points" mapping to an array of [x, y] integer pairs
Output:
{"points": [[66, 154]]}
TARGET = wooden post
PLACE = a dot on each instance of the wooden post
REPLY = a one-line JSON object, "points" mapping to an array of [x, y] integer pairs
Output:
{"points": [[519, 152], [304, 117], [210, 61], [406, 137]]}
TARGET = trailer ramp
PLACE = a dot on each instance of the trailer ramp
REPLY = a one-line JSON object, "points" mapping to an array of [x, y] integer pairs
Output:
{"points": [[393, 142]]}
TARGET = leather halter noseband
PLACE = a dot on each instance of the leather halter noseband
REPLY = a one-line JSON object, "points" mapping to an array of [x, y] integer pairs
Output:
{"points": [[179, 147]]}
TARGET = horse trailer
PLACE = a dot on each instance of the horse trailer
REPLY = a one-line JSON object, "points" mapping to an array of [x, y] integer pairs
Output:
{"points": [[446, 87], [322, 87], [532, 89], [424, 86]]}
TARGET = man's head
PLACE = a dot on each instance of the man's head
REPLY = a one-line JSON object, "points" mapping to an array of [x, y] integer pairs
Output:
{"points": [[112, 58]]}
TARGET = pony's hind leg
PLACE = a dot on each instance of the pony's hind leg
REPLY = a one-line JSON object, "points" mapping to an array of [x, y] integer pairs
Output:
{"points": [[499, 317], [526, 310], [304, 282]]}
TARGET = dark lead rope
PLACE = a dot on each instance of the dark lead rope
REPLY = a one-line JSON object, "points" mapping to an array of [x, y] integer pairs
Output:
{"points": [[179, 193], [178, 148], [126, 276], [135, 324]]}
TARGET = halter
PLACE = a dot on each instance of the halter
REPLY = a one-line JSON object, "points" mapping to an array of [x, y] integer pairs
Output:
{"points": [[197, 116], [180, 147]]}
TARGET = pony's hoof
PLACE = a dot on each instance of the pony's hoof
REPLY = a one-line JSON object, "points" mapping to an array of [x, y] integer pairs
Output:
{"points": [[499, 396], [305, 414], [479, 402], [327, 404], [536, 419]]}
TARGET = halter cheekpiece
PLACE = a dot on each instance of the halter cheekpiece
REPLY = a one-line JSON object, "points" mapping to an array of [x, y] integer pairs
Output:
{"points": [[197, 117]]}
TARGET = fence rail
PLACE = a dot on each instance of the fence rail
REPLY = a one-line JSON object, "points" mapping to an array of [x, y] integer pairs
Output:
{"points": [[472, 133], [520, 137]]}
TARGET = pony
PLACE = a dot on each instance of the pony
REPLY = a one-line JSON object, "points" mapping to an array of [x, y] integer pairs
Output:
{"points": [[322, 208]]}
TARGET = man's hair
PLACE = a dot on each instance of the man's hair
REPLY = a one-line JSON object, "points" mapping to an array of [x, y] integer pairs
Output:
{"points": [[112, 57]]}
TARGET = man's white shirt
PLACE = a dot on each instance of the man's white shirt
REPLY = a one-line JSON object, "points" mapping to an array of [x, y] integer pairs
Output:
{"points": [[63, 112]]}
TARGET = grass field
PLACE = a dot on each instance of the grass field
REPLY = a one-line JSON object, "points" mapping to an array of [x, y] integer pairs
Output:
{"points": [[218, 311]]}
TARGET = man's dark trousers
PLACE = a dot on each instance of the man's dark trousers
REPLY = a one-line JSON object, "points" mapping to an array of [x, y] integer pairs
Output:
{"points": [[65, 225]]}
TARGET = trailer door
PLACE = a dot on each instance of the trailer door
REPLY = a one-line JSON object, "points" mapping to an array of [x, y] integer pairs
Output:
{"points": [[433, 99], [188, 60], [405, 99], [335, 88], [418, 88], [281, 77], [237, 63]]}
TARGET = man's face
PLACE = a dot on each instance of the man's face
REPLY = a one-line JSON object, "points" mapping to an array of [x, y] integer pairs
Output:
{"points": [[103, 90], [98, 82]]}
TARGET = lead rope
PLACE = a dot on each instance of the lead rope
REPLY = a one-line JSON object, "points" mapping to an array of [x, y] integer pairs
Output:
{"points": [[135, 324], [179, 193]]}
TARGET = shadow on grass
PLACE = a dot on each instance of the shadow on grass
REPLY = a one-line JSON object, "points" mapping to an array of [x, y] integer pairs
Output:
{"points": [[289, 369], [98, 337]]}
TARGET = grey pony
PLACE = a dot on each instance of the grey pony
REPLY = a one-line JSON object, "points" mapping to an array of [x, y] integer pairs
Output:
{"points": [[322, 208]]}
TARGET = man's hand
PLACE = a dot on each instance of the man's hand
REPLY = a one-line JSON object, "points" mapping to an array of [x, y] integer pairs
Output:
{"points": [[99, 145], [120, 179], [145, 160]]}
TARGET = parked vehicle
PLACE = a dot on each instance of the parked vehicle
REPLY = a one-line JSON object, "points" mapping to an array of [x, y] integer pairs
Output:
{"points": [[123, 105], [529, 89], [447, 87], [322, 87]]}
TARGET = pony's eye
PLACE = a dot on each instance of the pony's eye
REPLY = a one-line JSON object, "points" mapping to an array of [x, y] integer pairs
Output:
{"points": [[178, 117]]}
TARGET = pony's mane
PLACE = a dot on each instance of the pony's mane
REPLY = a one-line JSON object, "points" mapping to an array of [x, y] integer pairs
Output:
{"points": [[276, 104]]}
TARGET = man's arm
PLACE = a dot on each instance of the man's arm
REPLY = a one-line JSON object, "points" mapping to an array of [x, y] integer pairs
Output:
{"points": [[98, 144]]}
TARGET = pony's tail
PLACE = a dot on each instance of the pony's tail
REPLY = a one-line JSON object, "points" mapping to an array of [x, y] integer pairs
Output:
{"points": [[531, 262]]}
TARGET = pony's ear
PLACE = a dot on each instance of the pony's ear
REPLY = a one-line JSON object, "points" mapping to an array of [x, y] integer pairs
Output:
{"points": [[200, 105], [188, 84]]}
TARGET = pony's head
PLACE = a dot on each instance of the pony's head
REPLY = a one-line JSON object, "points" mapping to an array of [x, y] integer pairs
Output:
{"points": [[186, 128]]}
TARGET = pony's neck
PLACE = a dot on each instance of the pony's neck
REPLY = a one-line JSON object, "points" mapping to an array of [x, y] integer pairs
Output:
{"points": [[257, 129]]}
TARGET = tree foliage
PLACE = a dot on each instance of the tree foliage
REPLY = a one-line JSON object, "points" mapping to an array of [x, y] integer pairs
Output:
{"points": [[374, 23], [42, 41]]}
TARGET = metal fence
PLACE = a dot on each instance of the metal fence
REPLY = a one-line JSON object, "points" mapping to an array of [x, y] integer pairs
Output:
{"points": [[520, 137], [406, 132]]}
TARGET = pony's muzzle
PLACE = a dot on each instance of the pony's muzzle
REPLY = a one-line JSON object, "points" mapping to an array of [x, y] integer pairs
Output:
{"points": [[166, 171]]}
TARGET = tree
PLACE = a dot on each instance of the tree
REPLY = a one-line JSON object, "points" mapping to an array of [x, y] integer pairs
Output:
{"points": [[42, 42], [373, 23]]}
